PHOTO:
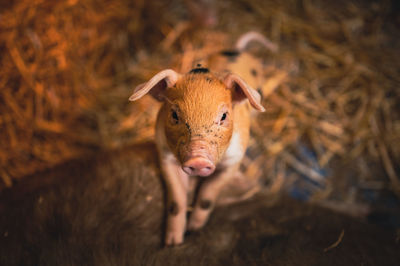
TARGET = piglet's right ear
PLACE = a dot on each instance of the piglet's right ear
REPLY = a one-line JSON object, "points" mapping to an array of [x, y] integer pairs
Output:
{"points": [[156, 86]]}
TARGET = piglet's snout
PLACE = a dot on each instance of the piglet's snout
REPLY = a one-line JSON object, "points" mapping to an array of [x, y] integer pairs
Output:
{"points": [[198, 166], [198, 160]]}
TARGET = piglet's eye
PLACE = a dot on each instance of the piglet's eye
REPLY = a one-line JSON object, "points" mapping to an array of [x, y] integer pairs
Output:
{"points": [[224, 115], [175, 117]]}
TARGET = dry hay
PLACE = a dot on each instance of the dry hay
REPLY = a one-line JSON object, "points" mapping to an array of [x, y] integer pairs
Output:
{"points": [[68, 68], [58, 58]]}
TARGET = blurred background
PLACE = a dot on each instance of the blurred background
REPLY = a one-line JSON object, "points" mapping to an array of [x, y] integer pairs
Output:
{"points": [[331, 132]]}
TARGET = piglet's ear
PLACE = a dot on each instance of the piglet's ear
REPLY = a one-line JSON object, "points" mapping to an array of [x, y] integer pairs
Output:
{"points": [[241, 91], [156, 86]]}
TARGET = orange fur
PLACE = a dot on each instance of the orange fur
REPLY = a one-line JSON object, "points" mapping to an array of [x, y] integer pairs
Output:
{"points": [[202, 127], [198, 100]]}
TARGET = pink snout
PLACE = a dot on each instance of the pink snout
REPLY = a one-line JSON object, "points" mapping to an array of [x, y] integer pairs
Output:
{"points": [[198, 166]]}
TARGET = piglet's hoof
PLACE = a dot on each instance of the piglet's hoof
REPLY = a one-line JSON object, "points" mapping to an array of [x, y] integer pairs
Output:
{"points": [[173, 239]]}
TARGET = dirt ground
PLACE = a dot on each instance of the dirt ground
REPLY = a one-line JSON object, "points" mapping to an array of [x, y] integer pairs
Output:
{"points": [[109, 210]]}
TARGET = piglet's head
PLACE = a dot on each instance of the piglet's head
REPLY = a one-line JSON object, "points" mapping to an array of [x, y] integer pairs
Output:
{"points": [[197, 114]]}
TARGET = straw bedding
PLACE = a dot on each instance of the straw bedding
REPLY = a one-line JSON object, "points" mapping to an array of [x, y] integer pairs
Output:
{"points": [[331, 91]]}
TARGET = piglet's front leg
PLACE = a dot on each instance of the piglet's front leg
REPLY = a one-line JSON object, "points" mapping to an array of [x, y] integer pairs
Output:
{"points": [[176, 182], [208, 195]]}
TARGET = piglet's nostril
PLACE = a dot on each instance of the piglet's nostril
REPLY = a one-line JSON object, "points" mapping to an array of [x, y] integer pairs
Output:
{"points": [[198, 166]]}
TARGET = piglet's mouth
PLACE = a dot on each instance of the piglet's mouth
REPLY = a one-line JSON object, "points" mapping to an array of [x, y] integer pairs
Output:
{"points": [[198, 166]]}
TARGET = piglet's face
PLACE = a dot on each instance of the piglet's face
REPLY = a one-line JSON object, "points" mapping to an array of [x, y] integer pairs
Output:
{"points": [[199, 122], [197, 114]]}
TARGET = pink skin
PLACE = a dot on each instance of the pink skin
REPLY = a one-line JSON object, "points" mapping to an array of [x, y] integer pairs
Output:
{"points": [[198, 166], [198, 161]]}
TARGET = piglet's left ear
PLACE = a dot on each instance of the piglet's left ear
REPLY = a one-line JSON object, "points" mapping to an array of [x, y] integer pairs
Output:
{"points": [[241, 91]]}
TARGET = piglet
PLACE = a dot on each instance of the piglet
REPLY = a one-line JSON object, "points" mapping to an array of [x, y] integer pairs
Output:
{"points": [[202, 130]]}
